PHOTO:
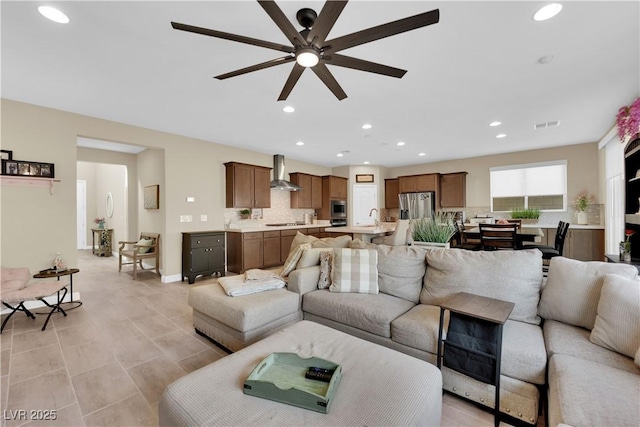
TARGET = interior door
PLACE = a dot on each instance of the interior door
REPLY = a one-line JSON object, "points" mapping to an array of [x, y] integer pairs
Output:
{"points": [[365, 198]]}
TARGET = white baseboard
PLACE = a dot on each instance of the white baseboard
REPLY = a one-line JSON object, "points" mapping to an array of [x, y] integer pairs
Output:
{"points": [[172, 278]]}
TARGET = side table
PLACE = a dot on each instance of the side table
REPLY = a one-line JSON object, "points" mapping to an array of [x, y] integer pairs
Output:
{"points": [[474, 338], [49, 273], [104, 239]]}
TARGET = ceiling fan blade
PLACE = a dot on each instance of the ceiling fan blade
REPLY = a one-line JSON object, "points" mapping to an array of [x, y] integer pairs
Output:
{"points": [[362, 65], [282, 22], [325, 21], [327, 78], [261, 66], [232, 37], [295, 74], [381, 31]]}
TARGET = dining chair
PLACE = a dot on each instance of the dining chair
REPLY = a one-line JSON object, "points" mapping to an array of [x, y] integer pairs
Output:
{"points": [[461, 239], [549, 252], [498, 236], [397, 238]]}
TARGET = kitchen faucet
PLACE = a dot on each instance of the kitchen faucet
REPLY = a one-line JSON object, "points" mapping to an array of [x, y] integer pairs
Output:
{"points": [[375, 218]]}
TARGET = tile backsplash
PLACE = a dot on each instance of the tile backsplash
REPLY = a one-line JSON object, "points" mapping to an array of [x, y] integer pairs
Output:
{"points": [[279, 212]]}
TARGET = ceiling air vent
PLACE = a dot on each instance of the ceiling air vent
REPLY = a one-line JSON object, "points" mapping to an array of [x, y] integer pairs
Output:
{"points": [[546, 125]]}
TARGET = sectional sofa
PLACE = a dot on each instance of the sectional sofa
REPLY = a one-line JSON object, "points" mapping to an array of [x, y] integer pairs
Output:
{"points": [[562, 339]]}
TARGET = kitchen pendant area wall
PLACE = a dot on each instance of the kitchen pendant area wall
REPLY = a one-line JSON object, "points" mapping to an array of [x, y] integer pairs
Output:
{"points": [[279, 212]]}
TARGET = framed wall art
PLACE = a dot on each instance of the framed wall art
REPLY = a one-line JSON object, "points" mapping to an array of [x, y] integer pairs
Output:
{"points": [[24, 168], [152, 197], [368, 178]]}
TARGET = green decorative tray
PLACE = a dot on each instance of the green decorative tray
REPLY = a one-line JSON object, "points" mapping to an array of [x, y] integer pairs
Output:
{"points": [[281, 377]]}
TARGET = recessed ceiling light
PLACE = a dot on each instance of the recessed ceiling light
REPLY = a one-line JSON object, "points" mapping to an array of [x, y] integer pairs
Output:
{"points": [[494, 124], [288, 109], [400, 144], [547, 12], [366, 163], [366, 126], [422, 154], [53, 14], [299, 143], [339, 154], [501, 135]]}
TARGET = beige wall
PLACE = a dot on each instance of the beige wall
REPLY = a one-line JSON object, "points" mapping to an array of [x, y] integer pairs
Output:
{"points": [[583, 167], [192, 167]]}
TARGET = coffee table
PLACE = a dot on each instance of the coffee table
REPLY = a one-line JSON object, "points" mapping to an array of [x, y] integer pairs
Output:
{"points": [[379, 386]]}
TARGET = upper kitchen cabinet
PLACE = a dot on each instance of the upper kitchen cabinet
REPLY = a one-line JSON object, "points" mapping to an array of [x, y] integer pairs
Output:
{"points": [[453, 190], [310, 196], [391, 193], [418, 183], [248, 186], [335, 187]]}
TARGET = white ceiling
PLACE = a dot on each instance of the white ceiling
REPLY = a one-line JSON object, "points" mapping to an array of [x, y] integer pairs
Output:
{"points": [[122, 61]]}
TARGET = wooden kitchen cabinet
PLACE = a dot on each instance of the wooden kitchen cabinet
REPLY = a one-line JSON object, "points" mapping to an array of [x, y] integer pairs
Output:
{"points": [[271, 249], [334, 187], [202, 254], [244, 251], [247, 186], [310, 197], [453, 193], [286, 238], [391, 187], [584, 245], [418, 183]]}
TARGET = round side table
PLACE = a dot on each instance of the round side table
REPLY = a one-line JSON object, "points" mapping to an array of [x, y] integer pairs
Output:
{"points": [[49, 273]]}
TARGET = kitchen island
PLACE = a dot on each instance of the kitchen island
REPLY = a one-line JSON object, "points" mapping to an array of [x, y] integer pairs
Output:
{"points": [[365, 233]]}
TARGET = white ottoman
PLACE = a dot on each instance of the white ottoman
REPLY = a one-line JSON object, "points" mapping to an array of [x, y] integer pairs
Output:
{"points": [[379, 386], [236, 322]]}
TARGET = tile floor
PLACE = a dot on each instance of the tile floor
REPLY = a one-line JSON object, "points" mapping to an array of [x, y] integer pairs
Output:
{"points": [[108, 361]]}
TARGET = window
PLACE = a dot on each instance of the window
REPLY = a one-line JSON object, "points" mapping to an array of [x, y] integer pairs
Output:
{"points": [[536, 185]]}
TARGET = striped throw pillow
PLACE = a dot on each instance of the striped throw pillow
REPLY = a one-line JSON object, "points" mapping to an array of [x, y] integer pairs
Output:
{"points": [[293, 258], [354, 270]]}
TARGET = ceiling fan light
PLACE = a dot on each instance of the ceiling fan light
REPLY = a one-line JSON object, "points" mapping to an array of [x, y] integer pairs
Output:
{"points": [[547, 12], [307, 57]]}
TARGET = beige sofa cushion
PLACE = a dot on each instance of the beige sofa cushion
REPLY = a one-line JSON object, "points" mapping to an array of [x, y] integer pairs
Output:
{"points": [[332, 242], [572, 291], [300, 239], [401, 271], [293, 258], [617, 325], [310, 257], [514, 276]]}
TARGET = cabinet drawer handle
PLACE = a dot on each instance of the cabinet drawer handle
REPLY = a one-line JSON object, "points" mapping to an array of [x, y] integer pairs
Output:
{"points": [[198, 242]]}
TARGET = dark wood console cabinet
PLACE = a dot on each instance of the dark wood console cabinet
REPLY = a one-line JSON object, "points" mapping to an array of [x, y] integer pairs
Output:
{"points": [[202, 254]]}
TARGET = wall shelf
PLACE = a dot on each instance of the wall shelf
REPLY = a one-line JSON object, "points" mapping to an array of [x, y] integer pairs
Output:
{"points": [[29, 181]]}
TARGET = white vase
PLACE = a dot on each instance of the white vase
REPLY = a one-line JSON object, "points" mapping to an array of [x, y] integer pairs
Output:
{"points": [[583, 218], [432, 245]]}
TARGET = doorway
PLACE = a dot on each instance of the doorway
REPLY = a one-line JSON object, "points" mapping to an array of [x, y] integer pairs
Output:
{"points": [[81, 192]]}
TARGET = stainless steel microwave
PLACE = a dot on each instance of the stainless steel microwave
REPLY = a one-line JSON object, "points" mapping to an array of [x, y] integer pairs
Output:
{"points": [[338, 208]]}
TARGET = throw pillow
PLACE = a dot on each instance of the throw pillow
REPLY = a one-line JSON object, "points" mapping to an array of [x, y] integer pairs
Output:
{"points": [[300, 239], [354, 270], [617, 325], [514, 276], [401, 270], [326, 265], [572, 291], [293, 258], [311, 257], [146, 245], [332, 242]]}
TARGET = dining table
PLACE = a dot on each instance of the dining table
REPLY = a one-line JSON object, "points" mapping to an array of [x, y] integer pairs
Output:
{"points": [[523, 234]]}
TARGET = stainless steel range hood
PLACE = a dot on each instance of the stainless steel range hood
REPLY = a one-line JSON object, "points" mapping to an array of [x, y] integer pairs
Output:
{"points": [[278, 173]]}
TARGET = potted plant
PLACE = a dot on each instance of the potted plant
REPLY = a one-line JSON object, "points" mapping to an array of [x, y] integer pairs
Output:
{"points": [[628, 121], [100, 222], [582, 203], [527, 216], [436, 231], [245, 213]]}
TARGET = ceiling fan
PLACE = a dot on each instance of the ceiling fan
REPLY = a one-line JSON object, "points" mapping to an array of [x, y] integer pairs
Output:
{"points": [[310, 49]]}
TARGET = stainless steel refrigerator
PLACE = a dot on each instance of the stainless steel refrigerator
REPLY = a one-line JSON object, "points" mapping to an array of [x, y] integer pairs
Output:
{"points": [[417, 205]]}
